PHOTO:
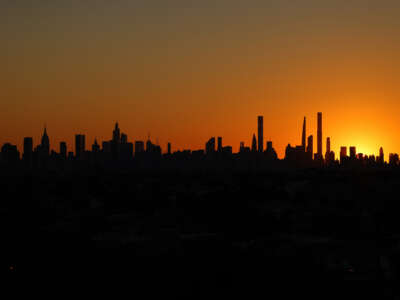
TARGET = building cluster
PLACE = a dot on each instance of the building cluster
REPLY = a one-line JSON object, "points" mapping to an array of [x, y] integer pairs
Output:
{"points": [[120, 149]]}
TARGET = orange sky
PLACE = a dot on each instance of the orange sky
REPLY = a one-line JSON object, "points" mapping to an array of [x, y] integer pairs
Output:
{"points": [[186, 72]]}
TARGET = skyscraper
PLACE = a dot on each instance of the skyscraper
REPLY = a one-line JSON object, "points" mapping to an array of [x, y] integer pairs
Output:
{"points": [[219, 144], [79, 145], [310, 147], [116, 134], [343, 154], [139, 147], [303, 136], [28, 151], [45, 145], [254, 144], [124, 138], [95, 147], [169, 148], [329, 155], [241, 148], [353, 152], [210, 146], [63, 150], [381, 156], [328, 145], [260, 134], [319, 135]]}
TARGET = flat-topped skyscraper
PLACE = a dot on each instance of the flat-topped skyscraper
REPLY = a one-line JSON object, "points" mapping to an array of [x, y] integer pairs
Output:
{"points": [[303, 136], [79, 145], [319, 135], [260, 134]]}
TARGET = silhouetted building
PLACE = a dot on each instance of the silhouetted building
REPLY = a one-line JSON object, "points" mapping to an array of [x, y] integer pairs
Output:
{"points": [[227, 150], [319, 136], [106, 146], [328, 145], [381, 158], [124, 138], [116, 134], [79, 145], [296, 154], [169, 148], [9, 154], [343, 154], [63, 150], [70, 155], [210, 146], [95, 147], [260, 134], [310, 147], [270, 151], [254, 144], [329, 155], [303, 135], [219, 149], [45, 144], [28, 151], [353, 152], [393, 159], [126, 151], [241, 147], [139, 147]]}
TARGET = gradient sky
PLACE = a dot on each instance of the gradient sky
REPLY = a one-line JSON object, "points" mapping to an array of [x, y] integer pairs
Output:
{"points": [[188, 70]]}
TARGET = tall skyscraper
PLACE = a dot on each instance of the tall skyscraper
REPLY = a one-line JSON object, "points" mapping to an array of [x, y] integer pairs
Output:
{"points": [[169, 148], [95, 147], [310, 147], [241, 148], [45, 145], [319, 135], [381, 156], [79, 145], [328, 145], [353, 152], [219, 144], [254, 144], [116, 134], [303, 136], [329, 155], [210, 146], [63, 150], [343, 154], [28, 151], [260, 134], [124, 138]]}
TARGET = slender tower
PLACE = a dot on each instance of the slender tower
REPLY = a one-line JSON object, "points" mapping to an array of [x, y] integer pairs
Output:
{"points": [[328, 145], [260, 134], [310, 147], [303, 136], [319, 135], [254, 144]]}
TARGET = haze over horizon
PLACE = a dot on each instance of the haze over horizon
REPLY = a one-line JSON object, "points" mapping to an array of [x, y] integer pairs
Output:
{"points": [[187, 71]]}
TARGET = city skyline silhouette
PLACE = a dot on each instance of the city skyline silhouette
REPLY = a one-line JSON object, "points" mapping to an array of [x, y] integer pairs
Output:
{"points": [[120, 148], [202, 146]]}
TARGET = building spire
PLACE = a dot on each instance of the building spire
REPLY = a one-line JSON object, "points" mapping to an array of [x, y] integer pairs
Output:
{"points": [[303, 136]]}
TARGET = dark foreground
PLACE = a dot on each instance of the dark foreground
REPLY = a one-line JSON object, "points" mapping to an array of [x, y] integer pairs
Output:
{"points": [[191, 232]]}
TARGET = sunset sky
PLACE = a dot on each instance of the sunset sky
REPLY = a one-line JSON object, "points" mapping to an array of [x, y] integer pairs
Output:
{"points": [[184, 71]]}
